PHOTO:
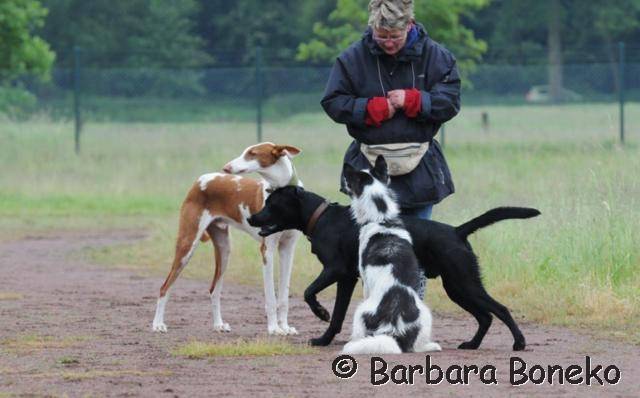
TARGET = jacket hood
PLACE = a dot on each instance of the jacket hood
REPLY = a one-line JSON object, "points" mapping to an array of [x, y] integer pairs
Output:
{"points": [[411, 52]]}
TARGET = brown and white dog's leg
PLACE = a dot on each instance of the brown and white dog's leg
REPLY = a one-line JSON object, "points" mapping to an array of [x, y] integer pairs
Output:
{"points": [[220, 237], [286, 248], [268, 251], [193, 222]]}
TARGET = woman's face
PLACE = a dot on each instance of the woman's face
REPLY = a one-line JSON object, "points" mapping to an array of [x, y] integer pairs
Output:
{"points": [[391, 40]]}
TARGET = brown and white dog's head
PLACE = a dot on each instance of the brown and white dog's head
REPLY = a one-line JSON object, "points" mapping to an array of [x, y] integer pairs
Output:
{"points": [[271, 161]]}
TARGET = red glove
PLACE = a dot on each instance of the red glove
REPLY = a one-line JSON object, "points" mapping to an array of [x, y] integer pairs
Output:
{"points": [[412, 102], [377, 111]]}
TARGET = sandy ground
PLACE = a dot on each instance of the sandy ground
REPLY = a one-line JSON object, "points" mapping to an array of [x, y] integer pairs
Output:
{"points": [[68, 327]]}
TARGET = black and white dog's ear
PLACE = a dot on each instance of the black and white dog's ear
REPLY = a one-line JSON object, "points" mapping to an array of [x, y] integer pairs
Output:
{"points": [[355, 180], [379, 171], [346, 167]]}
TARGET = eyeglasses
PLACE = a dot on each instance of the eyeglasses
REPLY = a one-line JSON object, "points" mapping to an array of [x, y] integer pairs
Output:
{"points": [[394, 40]]}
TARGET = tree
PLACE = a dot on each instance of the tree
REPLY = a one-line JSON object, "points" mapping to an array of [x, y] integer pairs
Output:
{"points": [[442, 18], [607, 23], [555, 32], [169, 32], [126, 33], [130, 47], [345, 25], [20, 51], [235, 28]]}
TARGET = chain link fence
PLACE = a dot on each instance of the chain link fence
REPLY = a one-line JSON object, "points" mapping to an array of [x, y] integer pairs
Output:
{"points": [[263, 87]]}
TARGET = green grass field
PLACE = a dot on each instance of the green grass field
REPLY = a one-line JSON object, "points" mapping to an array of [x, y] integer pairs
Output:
{"points": [[575, 265]]}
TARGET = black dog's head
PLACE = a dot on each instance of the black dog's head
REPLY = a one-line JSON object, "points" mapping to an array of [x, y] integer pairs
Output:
{"points": [[356, 181], [280, 212]]}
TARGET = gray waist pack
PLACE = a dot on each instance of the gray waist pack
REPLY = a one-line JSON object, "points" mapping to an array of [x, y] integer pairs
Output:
{"points": [[401, 158]]}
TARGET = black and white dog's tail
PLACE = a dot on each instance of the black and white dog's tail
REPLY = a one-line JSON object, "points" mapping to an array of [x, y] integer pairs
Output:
{"points": [[378, 344], [493, 216]]}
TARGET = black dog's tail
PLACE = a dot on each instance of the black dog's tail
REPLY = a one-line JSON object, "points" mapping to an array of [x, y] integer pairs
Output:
{"points": [[493, 216]]}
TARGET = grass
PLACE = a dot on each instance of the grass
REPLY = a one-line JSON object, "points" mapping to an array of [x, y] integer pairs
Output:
{"points": [[68, 361], [155, 110], [80, 375], [241, 348], [30, 343], [575, 265], [94, 374], [8, 296]]}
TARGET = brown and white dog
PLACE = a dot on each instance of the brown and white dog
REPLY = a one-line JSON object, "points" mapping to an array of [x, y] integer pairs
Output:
{"points": [[217, 200]]}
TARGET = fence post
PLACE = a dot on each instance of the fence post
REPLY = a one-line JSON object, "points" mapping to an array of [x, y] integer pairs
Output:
{"points": [[76, 96], [259, 92], [621, 62]]}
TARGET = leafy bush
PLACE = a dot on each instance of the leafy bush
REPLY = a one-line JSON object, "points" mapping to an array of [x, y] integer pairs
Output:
{"points": [[16, 102]]}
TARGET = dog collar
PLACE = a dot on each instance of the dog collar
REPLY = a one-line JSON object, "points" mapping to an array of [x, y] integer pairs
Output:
{"points": [[314, 218]]}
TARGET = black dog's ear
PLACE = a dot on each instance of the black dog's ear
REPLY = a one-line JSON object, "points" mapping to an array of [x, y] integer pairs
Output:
{"points": [[380, 171], [299, 191]]}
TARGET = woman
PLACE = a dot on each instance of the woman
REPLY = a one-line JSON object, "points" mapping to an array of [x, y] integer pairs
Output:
{"points": [[393, 89]]}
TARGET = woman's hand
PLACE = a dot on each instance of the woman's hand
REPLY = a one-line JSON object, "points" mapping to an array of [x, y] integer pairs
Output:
{"points": [[396, 98], [392, 108]]}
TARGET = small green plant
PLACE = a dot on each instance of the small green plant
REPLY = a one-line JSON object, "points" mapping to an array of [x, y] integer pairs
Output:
{"points": [[16, 103], [241, 348], [68, 361]]}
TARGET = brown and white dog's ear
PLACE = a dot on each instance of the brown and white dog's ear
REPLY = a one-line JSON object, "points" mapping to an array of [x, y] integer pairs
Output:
{"points": [[286, 150]]}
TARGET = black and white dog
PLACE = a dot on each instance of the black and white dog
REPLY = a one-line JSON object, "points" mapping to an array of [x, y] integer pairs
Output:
{"points": [[442, 250], [392, 319]]}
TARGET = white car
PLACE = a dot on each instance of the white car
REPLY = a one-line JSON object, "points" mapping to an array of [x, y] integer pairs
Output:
{"points": [[543, 94]]}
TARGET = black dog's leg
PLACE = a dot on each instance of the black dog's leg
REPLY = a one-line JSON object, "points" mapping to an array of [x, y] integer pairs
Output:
{"points": [[326, 278], [469, 303], [504, 315], [484, 322], [343, 297]]}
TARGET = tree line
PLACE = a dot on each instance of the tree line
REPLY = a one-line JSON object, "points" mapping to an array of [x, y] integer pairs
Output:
{"points": [[38, 34]]}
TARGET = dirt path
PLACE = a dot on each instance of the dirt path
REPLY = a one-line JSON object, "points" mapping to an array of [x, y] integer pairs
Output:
{"points": [[68, 327]]}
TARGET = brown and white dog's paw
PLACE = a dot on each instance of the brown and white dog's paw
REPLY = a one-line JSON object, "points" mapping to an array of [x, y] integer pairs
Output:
{"points": [[159, 327], [289, 330], [223, 327], [276, 330]]}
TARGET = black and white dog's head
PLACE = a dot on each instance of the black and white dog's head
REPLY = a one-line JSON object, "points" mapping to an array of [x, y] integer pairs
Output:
{"points": [[280, 212], [370, 186]]}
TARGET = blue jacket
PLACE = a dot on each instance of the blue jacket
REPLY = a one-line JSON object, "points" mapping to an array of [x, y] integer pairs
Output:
{"points": [[364, 71]]}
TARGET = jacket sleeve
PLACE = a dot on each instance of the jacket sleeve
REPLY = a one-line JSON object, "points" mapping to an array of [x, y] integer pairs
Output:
{"points": [[442, 102], [339, 100]]}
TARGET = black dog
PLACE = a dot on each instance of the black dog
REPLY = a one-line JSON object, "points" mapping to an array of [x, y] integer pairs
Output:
{"points": [[442, 250]]}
